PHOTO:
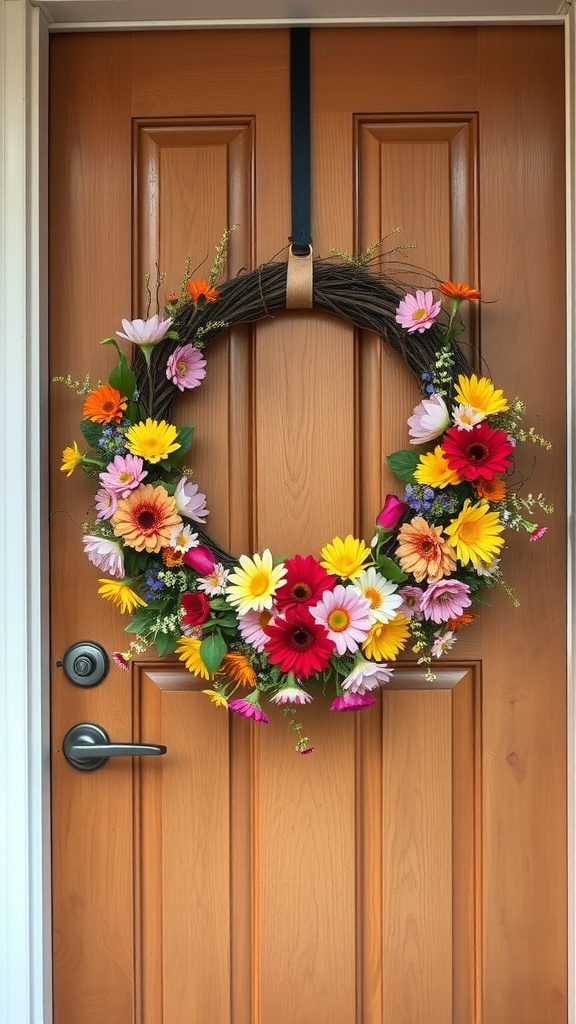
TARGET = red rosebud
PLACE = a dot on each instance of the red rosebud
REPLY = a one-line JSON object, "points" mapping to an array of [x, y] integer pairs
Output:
{"points": [[196, 609], [200, 559], [393, 511]]}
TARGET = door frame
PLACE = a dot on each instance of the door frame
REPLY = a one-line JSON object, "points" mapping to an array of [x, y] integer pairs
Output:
{"points": [[25, 944]]}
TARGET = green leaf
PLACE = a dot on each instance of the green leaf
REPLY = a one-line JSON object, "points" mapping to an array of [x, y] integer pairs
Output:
{"points": [[142, 620], [134, 413], [122, 378], [184, 438], [403, 465], [165, 644], [212, 650], [390, 570], [92, 432]]}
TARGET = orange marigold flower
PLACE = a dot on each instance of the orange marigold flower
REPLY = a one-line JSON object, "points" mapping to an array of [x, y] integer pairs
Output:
{"points": [[424, 552], [104, 405], [492, 490], [459, 291], [239, 669], [461, 620], [172, 557], [201, 290]]}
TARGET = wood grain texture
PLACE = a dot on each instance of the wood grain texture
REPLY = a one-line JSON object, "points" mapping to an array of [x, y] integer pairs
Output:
{"points": [[413, 868]]}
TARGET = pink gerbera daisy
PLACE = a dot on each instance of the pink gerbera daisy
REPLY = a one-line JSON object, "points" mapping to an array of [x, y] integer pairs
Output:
{"points": [[106, 503], [417, 312], [251, 628], [185, 367], [345, 615], [249, 707], [123, 475], [445, 600]]}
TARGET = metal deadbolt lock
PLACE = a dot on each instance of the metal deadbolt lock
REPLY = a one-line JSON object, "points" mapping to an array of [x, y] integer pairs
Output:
{"points": [[86, 663], [87, 746]]}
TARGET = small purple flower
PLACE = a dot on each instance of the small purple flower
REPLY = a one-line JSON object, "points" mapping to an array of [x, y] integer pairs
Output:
{"points": [[249, 707], [445, 600], [352, 702], [185, 367]]}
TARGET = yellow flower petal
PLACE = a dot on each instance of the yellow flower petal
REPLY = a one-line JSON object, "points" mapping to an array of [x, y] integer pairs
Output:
{"points": [[345, 558], [151, 440], [120, 594], [71, 459]]}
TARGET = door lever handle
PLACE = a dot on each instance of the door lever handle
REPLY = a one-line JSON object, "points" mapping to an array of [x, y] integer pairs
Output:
{"points": [[87, 746]]}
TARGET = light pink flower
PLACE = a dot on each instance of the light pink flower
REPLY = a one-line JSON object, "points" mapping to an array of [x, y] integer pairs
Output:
{"points": [[106, 503], [190, 502], [251, 628], [145, 332], [445, 600], [345, 615], [215, 582], [105, 554], [185, 367], [291, 693], [366, 676], [417, 312], [352, 702], [429, 419], [411, 599], [124, 474], [443, 643]]}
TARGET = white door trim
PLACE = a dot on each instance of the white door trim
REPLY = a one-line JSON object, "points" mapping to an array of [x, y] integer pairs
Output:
{"points": [[25, 949]]}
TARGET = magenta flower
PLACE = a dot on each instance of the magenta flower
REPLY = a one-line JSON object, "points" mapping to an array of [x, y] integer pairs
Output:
{"points": [[145, 332], [429, 419], [190, 502], [121, 660], [345, 615], [249, 707], [123, 475], [185, 367], [106, 503], [105, 554], [200, 559], [417, 312], [445, 600], [392, 512], [538, 533], [352, 702]]}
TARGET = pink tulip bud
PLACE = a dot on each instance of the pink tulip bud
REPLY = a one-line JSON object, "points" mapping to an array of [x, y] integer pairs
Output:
{"points": [[200, 559], [392, 512]]}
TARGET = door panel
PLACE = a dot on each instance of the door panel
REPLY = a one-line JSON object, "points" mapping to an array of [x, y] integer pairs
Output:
{"points": [[413, 868]]}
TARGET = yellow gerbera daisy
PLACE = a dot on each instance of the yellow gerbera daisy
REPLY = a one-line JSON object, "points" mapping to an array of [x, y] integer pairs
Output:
{"points": [[71, 459], [480, 394], [253, 584], [188, 650], [386, 639], [151, 440], [345, 558], [120, 594], [217, 698], [434, 470], [474, 533]]}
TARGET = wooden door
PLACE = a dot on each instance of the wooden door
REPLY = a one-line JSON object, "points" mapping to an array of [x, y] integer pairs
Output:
{"points": [[413, 869]]}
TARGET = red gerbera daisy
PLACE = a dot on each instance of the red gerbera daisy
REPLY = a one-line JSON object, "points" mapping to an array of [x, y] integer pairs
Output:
{"points": [[480, 452], [305, 582], [298, 644]]}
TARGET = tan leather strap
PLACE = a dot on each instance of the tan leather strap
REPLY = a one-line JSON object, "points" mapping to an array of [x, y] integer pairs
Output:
{"points": [[299, 281]]}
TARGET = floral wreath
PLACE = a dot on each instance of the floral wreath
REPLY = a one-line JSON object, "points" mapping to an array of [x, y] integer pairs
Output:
{"points": [[255, 626]]}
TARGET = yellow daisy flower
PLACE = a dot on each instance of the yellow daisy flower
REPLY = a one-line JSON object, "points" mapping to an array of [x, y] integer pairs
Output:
{"points": [[386, 639], [474, 533], [217, 698], [346, 558], [480, 394], [120, 594], [151, 440], [434, 471], [188, 650], [71, 459], [253, 584]]}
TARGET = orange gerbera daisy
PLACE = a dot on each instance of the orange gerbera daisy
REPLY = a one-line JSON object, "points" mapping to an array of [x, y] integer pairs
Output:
{"points": [[239, 669], [104, 405], [459, 291], [146, 518], [492, 490], [424, 552], [201, 290], [172, 557]]}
